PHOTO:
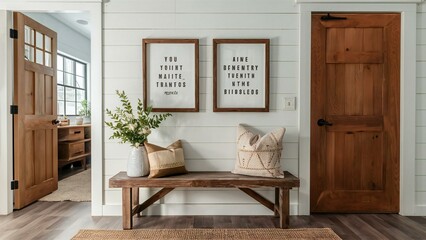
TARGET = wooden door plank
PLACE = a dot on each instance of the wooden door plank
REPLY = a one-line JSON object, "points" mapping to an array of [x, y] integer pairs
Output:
{"points": [[48, 85], [368, 85], [372, 161], [39, 94], [338, 162], [49, 154], [40, 156], [29, 155], [378, 85], [350, 89], [29, 93]]}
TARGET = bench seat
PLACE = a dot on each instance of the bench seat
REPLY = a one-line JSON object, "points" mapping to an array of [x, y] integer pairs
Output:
{"points": [[130, 190]]}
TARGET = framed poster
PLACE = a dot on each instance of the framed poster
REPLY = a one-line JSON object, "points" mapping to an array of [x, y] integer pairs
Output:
{"points": [[241, 75], [170, 74]]}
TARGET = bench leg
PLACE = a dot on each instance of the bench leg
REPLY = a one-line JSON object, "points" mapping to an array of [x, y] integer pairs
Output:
{"points": [[277, 202], [284, 208], [127, 208], [135, 198]]}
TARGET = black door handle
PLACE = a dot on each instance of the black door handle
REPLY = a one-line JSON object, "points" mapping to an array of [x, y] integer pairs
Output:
{"points": [[321, 122], [55, 122]]}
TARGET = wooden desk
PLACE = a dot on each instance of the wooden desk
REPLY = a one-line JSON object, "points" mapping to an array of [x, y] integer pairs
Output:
{"points": [[73, 144]]}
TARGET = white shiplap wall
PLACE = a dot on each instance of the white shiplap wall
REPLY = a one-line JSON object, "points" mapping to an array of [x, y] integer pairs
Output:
{"points": [[209, 138], [421, 107]]}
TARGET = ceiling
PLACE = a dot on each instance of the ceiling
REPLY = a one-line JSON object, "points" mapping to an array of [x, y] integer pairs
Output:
{"points": [[70, 19]]}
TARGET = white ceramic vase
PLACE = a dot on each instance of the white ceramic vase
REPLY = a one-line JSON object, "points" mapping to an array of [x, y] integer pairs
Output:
{"points": [[137, 164]]}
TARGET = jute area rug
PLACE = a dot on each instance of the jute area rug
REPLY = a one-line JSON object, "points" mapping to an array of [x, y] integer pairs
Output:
{"points": [[75, 188], [197, 233]]}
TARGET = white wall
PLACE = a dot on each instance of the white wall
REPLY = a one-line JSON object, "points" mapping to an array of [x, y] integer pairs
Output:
{"points": [[70, 41], [421, 108], [209, 138]]}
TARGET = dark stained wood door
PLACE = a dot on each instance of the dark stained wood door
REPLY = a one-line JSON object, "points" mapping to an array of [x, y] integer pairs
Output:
{"points": [[35, 135], [355, 77]]}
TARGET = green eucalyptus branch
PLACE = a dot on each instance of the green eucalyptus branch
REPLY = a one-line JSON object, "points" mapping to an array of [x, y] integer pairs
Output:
{"points": [[130, 128]]}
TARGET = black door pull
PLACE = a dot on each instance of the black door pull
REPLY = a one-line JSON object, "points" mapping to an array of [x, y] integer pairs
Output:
{"points": [[321, 122], [329, 17]]}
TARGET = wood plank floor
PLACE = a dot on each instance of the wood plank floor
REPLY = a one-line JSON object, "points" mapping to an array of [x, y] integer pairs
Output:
{"points": [[62, 220]]}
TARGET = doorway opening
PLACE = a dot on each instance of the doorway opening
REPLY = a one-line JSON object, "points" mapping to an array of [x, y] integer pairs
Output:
{"points": [[52, 69]]}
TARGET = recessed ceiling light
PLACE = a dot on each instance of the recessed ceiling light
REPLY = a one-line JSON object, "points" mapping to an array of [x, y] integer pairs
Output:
{"points": [[82, 22]]}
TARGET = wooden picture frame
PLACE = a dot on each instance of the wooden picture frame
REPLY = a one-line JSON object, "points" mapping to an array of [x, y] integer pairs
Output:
{"points": [[241, 75], [170, 75]]}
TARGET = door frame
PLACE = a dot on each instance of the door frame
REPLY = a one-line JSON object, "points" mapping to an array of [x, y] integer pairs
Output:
{"points": [[408, 10], [94, 8]]}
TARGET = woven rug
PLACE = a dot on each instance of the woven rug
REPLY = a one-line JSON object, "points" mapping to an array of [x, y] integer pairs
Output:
{"points": [[197, 233], [75, 188]]}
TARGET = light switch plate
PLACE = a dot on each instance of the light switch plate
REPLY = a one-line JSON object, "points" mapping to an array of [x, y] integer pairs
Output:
{"points": [[289, 104]]}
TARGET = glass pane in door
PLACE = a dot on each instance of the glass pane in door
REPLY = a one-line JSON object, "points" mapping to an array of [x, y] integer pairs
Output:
{"points": [[39, 56], [39, 40], [29, 36]]}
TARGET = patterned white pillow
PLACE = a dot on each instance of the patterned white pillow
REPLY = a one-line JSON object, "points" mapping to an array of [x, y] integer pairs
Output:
{"points": [[259, 156]]}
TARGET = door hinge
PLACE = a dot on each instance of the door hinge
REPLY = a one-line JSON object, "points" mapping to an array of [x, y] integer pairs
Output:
{"points": [[13, 109], [13, 33], [14, 185]]}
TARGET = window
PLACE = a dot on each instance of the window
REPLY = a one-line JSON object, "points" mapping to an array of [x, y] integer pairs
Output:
{"points": [[39, 45], [72, 82]]}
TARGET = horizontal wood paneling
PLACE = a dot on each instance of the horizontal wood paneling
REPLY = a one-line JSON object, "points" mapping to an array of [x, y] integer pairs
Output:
{"points": [[421, 53], [235, 6], [420, 151], [237, 21], [200, 6], [421, 167], [421, 183], [199, 150], [141, 6], [421, 69], [421, 118], [421, 198], [421, 19], [209, 138], [421, 85], [420, 134], [134, 36], [421, 101], [134, 53], [200, 21], [421, 36], [199, 134]]}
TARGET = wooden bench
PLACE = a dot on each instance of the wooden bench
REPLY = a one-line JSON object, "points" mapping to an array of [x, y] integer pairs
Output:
{"points": [[130, 190]]}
